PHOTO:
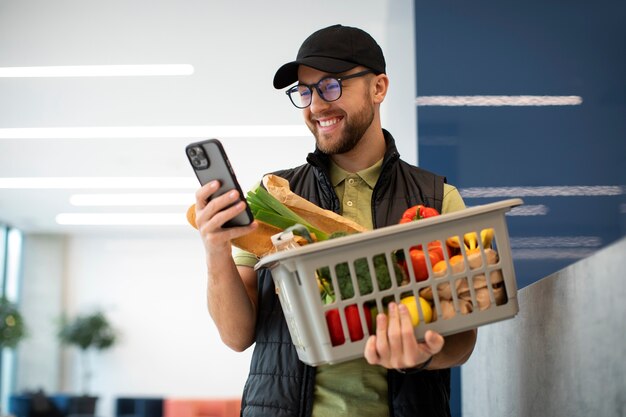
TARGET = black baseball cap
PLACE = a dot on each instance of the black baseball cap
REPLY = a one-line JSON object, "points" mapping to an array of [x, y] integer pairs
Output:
{"points": [[334, 49]]}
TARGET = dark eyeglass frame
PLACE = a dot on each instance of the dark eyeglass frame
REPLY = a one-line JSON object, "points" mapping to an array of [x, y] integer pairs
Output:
{"points": [[310, 87]]}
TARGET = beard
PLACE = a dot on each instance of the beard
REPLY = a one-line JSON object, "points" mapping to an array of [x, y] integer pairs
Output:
{"points": [[354, 129]]}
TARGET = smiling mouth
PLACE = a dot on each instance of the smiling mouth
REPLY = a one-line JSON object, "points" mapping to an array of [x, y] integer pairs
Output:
{"points": [[329, 122]]}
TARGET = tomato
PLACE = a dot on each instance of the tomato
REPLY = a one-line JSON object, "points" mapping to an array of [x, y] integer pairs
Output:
{"points": [[355, 330], [417, 212]]}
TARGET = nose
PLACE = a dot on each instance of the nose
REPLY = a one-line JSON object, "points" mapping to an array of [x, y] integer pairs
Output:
{"points": [[318, 104]]}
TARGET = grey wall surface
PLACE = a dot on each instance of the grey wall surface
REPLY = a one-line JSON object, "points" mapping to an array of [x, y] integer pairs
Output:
{"points": [[564, 354], [42, 297]]}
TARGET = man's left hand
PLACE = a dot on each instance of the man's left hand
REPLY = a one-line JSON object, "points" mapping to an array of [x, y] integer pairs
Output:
{"points": [[394, 346]]}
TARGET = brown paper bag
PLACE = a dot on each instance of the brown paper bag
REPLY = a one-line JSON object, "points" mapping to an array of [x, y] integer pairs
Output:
{"points": [[259, 242], [325, 220]]}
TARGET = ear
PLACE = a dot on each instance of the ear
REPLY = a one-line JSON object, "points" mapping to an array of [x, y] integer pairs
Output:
{"points": [[380, 85]]}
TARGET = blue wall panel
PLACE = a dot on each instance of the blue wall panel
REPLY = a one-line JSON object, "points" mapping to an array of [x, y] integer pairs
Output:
{"points": [[564, 48]]}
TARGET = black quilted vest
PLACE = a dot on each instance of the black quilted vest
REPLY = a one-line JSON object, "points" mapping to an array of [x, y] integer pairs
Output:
{"points": [[279, 385]]}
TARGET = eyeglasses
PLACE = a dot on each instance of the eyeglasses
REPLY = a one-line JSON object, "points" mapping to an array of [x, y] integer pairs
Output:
{"points": [[328, 88]]}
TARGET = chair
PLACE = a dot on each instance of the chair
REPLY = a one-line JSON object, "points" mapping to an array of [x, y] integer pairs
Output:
{"points": [[75, 405], [202, 407], [35, 404], [138, 407], [20, 405]]}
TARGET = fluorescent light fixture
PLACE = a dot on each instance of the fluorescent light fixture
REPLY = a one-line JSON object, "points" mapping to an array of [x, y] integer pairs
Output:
{"points": [[133, 199], [98, 71], [529, 210], [544, 191], [552, 254], [530, 242], [497, 101], [122, 219], [98, 182], [109, 132]]}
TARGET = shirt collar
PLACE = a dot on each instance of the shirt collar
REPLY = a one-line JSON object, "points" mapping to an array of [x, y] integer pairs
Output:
{"points": [[369, 175]]}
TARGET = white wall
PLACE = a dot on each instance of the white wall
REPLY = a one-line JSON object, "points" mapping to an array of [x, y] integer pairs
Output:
{"points": [[152, 287], [153, 291]]}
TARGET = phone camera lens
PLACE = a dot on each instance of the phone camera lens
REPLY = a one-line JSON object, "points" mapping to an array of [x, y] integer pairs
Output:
{"points": [[197, 157]]}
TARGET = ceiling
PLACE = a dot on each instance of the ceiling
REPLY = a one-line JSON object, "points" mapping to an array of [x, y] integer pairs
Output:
{"points": [[234, 51]]}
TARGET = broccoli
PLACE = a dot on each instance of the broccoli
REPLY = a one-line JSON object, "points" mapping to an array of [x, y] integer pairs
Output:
{"points": [[364, 279]]}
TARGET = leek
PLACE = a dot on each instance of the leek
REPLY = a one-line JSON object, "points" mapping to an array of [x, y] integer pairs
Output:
{"points": [[266, 208]]}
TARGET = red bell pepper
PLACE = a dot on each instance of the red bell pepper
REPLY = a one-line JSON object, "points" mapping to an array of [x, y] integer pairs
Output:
{"points": [[434, 248], [418, 212], [355, 330], [418, 260]]}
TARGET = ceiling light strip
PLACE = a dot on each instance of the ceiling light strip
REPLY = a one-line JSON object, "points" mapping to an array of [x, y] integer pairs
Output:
{"points": [[98, 182], [498, 101], [132, 199], [109, 132], [544, 191], [97, 71], [529, 210], [122, 219]]}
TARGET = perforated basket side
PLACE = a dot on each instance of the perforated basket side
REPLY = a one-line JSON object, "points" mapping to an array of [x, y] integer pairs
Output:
{"points": [[296, 276]]}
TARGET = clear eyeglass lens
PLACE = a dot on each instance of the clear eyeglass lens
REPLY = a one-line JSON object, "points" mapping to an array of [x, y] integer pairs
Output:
{"points": [[302, 96], [331, 89]]}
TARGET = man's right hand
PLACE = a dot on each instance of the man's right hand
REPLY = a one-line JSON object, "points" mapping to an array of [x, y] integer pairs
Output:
{"points": [[211, 216]]}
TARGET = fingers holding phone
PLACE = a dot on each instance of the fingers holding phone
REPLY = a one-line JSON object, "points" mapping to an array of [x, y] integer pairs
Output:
{"points": [[217, 211]]}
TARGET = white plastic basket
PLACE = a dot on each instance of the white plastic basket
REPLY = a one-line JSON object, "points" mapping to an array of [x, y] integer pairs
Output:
{"points": [[294, 272]]}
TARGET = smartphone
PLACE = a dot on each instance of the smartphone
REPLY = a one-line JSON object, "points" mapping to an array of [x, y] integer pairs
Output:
{"points": [[209, 161]]}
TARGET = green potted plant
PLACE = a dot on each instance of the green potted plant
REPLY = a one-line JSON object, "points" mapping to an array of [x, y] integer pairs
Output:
{"points": [[87, 332], [12, 328]]}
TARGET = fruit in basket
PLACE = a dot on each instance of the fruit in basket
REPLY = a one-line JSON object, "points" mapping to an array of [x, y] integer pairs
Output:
{"points": [[486, 237], [440, 267], [353, 319], [333, 321], [434, 249], [418, 260], [462, 285], [470, 240], [417, 212], [411, 304]]}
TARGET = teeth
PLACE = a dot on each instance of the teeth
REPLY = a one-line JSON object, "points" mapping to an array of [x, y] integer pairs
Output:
{"points": [[326, 123]]}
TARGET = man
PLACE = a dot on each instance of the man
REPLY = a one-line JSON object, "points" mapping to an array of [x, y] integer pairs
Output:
{"points": [[355, 171]]}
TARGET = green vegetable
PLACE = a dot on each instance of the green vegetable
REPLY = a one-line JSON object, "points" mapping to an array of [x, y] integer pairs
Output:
{"points": [[363, 276], [266, 208]]}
